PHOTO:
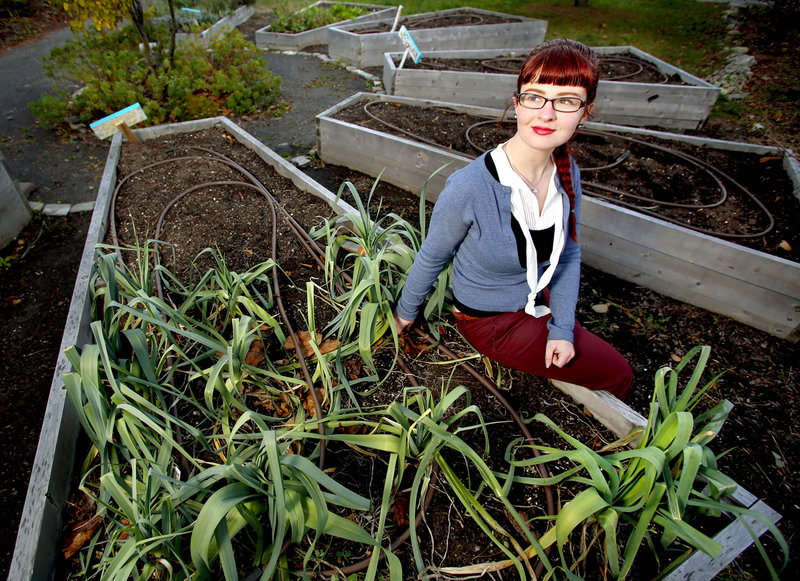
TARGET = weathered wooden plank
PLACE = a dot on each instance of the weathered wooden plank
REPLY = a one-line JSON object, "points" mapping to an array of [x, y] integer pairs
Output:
{"points": [[41, 523], [268, 40], [604, 407], [629, 103], [367, 50], [397, 165], [734, 539], [739, 299], [615, 224]]}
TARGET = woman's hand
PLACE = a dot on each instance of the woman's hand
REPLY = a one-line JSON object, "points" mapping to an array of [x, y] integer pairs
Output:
{"points": [[401, 324], [558, 352]]}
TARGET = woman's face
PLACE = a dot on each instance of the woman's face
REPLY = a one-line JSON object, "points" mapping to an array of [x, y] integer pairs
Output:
{"points": [[546, 128]]}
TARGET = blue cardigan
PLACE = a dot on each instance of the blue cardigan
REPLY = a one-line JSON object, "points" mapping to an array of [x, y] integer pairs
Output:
{"points": [[472, 223]]}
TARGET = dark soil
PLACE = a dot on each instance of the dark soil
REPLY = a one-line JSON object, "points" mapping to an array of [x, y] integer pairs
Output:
{"points": [[650, 329], [464, 17], [652, 178], [30, 22], [626, 68], [35, 293]]}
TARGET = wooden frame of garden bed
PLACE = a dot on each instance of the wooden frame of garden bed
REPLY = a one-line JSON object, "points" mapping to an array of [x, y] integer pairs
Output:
{"points": [[366, 50], [622, 102], [268, 40], [749, 286], [51, 476]]}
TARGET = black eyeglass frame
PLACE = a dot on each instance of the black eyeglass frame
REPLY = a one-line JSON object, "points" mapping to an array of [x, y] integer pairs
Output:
{"points": [[545, 100]]}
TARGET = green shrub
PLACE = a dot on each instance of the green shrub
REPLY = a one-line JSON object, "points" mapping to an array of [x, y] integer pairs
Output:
{"points": [[312, 17], [227, 78]]}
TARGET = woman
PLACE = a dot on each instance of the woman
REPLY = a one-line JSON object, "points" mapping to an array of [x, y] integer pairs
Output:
{"points": [[509, 220]]}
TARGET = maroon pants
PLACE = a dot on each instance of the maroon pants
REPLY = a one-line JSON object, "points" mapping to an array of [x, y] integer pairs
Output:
{"points": [[517, 340]]}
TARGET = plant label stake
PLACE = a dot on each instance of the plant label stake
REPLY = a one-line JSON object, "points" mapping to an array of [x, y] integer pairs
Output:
{"points": [[121, 120], [194, 12], [411, 47], [396, 18]]}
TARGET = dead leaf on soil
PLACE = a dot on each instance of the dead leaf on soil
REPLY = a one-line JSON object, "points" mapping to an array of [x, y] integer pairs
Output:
{"points": [[675, 358], [786, 246], [400, 513], [304, 337], [80, 535], [255, 356], [328, 346], [601, 308], [354, 367]]}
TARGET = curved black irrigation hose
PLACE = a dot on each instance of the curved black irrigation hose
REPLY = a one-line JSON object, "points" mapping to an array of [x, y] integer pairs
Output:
{"points": [[278, 299], [262, 190], [712, 170], [638, 64], [395, 127]]}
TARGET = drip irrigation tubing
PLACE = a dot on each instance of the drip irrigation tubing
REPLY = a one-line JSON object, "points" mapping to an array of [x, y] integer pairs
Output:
{"points": [[412, 23], [594, 188], [257, 186], [313, 249], [717, 175], [639, 66], [489, 64]]}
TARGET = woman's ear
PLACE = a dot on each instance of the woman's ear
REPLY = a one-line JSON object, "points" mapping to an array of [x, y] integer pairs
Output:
{"points": [[588, 112]]}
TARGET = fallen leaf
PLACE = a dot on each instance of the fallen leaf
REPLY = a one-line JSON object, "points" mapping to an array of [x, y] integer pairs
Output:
{"points": [[400, 512], [304, 337], [675, 358], [80, 535], [354, 367], [786, 246], [328, 346], [600, 308], [255, 356]]}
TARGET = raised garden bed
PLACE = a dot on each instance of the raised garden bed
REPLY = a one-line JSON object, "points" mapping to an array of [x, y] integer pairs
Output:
{"points": [[747, 285], [41, 522], [453, 29], [15, 213], [641, 90], [267, 39], [222, 25], [56, 430]]}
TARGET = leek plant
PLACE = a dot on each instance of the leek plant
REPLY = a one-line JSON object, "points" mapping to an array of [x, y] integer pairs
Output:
{"points": [[429, 428], [179, 463], [366, 265], [666, 482]]}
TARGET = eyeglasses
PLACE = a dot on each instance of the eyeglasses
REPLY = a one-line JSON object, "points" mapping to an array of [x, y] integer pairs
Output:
{"points": [[561, 104]]}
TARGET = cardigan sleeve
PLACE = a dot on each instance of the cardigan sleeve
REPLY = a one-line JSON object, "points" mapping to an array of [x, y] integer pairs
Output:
{"points": [[449, 225]]}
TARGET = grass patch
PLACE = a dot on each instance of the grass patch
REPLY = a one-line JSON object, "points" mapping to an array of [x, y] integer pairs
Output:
{"points": [[686, 33]]}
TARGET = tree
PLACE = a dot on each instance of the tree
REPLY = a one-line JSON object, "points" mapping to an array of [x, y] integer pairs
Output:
{"points": [[109, 13]]}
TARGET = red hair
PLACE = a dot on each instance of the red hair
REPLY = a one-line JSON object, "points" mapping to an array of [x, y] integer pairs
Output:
{"points": [[563, 62]]}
